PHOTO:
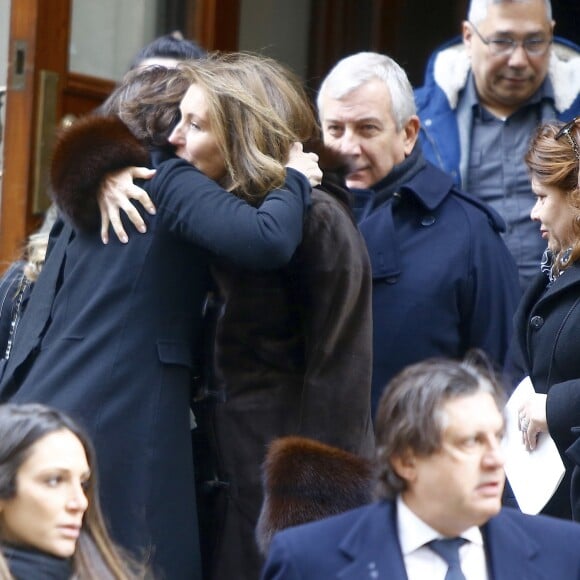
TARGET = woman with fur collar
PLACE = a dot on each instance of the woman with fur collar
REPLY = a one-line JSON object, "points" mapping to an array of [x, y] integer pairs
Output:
{"points": [[112, 333]]}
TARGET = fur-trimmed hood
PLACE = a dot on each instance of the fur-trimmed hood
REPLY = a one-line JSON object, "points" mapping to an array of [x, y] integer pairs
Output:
{"points": [[306, 480], [84, 153], [449, 68]]}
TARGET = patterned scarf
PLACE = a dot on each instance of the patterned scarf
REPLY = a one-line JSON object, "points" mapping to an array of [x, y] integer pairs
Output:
{"points": [[547, 263]]}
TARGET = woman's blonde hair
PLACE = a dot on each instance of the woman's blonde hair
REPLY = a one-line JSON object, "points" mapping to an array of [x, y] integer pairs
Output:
{"points": [[257, 109], [553, 162], [34, 254]]}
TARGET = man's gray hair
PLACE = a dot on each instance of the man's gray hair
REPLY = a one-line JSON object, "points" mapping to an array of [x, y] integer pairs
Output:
{"points": [[356, 70], [478, 8]]}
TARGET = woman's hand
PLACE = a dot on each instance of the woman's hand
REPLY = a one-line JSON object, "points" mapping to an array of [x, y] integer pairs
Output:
{"points": [[115, 194], [532, 420], [305, 163]]}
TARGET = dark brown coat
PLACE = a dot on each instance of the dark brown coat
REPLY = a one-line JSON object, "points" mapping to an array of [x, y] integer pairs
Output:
{"points": [[292, 357]]}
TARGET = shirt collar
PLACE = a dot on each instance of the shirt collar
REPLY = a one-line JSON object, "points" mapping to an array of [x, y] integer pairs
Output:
{"points": [[414, 533], [470, 93]]}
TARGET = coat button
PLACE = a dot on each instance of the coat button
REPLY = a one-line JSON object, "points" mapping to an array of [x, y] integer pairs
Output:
{"points": [[428, 220], [536, 322]]}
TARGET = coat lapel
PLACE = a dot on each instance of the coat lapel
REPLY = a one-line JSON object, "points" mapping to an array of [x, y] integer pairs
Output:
{"points": [[378, 231], [37, 313], [373, 546], [510, 550], [570, 278]]}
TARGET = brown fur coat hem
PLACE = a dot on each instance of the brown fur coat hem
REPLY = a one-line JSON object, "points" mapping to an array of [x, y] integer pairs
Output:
{"points": [[306, 480]]}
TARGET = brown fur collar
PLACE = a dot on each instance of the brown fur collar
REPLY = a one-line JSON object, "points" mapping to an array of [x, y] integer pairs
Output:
{"points": [[84, 153], [306, 480]]}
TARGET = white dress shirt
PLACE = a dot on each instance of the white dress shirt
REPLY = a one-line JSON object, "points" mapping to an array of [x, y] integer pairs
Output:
{"points": [[421, 562]]}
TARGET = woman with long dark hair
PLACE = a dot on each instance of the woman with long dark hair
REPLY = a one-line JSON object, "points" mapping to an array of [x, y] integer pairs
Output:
{"points": [[51, 524]]}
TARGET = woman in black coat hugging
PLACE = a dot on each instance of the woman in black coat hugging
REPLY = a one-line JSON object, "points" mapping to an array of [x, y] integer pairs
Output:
{"points": [[547, 322], [290, 352], [112, 334]]}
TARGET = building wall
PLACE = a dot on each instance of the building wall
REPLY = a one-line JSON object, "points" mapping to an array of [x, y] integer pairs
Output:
{"points": [[107, 34], [277, 28], [4, 37]]}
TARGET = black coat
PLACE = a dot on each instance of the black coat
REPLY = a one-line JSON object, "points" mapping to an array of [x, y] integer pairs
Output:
{"points": [[545, 347], [111, 336]]}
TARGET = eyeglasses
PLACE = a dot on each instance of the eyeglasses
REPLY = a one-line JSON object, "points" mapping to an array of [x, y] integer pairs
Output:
{"points": [[566, 131], [501, 46]]}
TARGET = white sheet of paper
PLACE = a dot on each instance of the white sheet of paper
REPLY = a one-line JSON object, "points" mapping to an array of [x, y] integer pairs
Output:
{"points": [[533, 475]]}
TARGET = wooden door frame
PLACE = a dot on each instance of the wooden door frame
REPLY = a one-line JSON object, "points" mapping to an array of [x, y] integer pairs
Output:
{"points": [[30, 21], [44, 28], [216, 24]]}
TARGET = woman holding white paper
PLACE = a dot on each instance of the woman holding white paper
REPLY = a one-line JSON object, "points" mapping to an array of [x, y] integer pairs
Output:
{"points": [[547, 323]]}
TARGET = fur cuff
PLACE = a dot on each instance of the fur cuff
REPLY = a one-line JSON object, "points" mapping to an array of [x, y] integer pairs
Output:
{"points": [[564, 73], [84, 153], [306, 480]]}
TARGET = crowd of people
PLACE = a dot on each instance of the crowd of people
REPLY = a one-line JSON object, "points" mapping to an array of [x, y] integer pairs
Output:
{"points": [[267, 313]]}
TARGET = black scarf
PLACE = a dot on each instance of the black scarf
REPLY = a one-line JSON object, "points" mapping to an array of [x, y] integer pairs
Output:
{"points": [[33, 564], [398, 176]]}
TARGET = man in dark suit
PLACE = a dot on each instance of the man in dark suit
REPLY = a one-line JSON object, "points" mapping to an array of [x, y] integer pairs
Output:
{"points": [[440, 467]]}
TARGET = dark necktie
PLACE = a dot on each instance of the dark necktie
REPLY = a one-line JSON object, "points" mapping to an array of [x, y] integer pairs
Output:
{"points": [[448, 549]]}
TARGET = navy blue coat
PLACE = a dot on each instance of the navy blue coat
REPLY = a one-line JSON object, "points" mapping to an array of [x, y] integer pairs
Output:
{"points": [[363, 543], [111, 333], [443, 280]]}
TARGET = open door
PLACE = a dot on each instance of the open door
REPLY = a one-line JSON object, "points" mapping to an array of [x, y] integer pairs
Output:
{"points": [[38, 42], [42, 90]]}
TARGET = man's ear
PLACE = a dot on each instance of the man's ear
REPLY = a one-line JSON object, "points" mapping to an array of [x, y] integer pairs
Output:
{"points": [[404, 465], [411, 129], [467, 34]]}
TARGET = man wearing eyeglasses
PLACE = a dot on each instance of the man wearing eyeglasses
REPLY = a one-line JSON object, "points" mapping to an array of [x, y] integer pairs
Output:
{"points": [[483, 97]]}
